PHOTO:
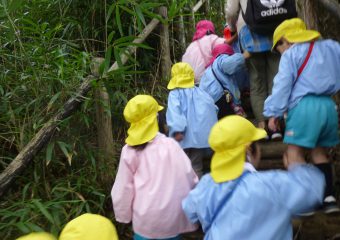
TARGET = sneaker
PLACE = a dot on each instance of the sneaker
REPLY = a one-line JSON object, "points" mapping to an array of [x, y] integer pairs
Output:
{"points": [[307, 214], [329, 205], [276, 136]]}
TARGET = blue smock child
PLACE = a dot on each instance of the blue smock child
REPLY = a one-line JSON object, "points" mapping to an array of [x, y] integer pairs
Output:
{"points": [[220, 80], [236, 202], [190, 114], [308, 76]]}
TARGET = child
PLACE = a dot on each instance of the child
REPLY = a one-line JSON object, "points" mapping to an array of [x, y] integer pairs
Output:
{"points": [[37, 236], [220, 82], [308, 76], [198, 53], [190, 115], [88, 227], [153, 177], [236, 202]]}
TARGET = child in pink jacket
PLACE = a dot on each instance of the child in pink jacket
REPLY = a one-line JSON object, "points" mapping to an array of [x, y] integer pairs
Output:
{"points": [[199, 52], [153, 177]]}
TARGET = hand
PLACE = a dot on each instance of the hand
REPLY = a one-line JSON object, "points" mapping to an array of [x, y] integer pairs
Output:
{"points": [[246, 54], [272, 124], [179, 136]]}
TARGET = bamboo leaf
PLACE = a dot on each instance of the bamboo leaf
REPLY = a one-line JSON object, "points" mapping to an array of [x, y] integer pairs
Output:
{"points": [[109, 12], [49, 152], [118, 21], [51, 102], [43, 210]]}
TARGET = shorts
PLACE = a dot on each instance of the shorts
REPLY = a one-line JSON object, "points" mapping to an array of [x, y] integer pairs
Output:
{"points": [[313, 122], [139, 237]]}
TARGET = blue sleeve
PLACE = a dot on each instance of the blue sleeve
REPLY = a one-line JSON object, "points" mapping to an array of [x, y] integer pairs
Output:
{"points": [[202, 202], [277, 103], [300, 189], [175, 118], [196, 205], [231, 64]]}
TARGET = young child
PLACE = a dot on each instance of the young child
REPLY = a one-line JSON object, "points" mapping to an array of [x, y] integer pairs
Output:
{"points": [[85, 227], [220, 80], [88, 227], [308, 76], [37, 236], [236, 202], [153, 177], [198, 53], [190, 115]]}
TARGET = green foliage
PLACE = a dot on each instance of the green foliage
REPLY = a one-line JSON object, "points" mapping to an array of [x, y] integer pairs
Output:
{"points": [[46, 50]]}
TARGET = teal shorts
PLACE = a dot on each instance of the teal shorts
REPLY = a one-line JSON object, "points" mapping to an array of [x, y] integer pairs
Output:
{"points": [[139, 237], [313, 122]]}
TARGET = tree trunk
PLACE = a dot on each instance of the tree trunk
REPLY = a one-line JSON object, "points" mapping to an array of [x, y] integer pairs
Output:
{"points": [[104, 127], [165, 45], [181, 33]]}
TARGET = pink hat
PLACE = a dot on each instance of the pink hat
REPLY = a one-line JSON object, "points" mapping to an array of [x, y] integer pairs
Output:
{"points": [[202, 28], [218, 50]]}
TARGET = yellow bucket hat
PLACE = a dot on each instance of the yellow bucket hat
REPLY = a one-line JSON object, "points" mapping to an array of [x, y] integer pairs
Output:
{"points": [[37, 236], [141, 112], [294, 30], [182, 76], [89, 227], [229, 139]]}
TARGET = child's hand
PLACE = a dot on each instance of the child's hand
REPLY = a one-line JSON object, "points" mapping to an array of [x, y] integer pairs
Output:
{"points": [[246, 54], [272, 124], [179, 136]]}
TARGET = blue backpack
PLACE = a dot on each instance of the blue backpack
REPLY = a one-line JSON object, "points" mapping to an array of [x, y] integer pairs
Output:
{"points": [[263, 16]]}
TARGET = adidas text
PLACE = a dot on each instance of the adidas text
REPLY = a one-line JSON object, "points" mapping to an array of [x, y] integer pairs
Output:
{"points": [[273, 11]]}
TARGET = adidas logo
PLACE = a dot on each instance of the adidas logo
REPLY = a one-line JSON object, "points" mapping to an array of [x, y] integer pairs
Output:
{"points": [[273, 11]]}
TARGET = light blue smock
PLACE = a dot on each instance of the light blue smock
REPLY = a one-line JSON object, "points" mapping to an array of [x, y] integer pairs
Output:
{"points": [[226, 68], [321, 76], [259, 207], [192, 112]]}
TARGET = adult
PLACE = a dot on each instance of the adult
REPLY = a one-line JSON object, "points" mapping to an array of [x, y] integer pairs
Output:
{"points": [[262, 64], [199, 52]]}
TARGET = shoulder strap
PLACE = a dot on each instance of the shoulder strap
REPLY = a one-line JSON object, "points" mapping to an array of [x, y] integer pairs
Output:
{"points": [[218, 80], [311, 45], [222, 203]]}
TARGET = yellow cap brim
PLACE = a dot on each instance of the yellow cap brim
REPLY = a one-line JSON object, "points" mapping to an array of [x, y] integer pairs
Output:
{"points": [[259, 134], [228, 165], [298, 37]]}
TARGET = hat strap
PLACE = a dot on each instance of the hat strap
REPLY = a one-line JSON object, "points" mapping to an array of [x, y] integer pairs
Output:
{"points": [[227, 196]]}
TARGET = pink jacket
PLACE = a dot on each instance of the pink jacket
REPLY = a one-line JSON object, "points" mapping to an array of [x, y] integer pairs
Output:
{"points": [[199, 53], [150, 186]]}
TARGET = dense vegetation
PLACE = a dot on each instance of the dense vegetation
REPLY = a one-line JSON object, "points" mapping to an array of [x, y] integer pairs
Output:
{"points": [[46, 50]]}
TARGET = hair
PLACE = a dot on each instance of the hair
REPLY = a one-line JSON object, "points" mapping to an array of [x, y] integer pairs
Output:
{"points": [[140, 147], [253, 148]]}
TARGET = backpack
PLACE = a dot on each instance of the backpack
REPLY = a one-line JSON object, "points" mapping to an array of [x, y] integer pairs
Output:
{"points": [[263, 16]]}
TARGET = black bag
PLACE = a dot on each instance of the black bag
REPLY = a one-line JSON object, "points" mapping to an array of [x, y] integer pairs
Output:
{"points": [[263, 16]]}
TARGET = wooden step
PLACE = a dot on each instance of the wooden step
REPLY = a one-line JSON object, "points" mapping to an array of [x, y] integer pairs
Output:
{"points": [[272, 149]]}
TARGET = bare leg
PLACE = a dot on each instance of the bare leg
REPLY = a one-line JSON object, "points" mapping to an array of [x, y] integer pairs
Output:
{"points": [[319, 155], [295, 154]]}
